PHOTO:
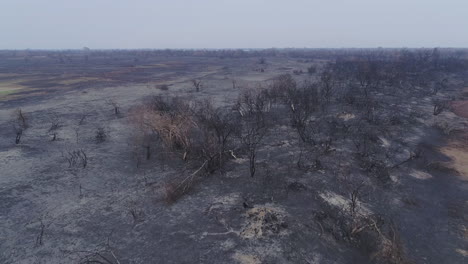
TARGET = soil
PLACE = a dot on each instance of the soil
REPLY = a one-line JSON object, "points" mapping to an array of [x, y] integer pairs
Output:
{"points": [[52, 212]]}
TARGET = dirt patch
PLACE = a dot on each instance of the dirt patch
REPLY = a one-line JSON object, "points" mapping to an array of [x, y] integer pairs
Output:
{"points": [[458, 152], [460, 108], [264, 220], [9, 87], [246, 259], [346, 116], [457, 148]]}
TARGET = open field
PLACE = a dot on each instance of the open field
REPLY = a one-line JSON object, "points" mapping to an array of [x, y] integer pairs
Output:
{"points": [[158, 156]]}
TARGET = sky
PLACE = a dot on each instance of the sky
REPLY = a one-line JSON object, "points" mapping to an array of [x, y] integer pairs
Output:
{"points": [[180, 24]]}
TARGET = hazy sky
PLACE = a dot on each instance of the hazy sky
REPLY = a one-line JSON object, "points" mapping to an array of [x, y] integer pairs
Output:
{"points": [[59, 24]]}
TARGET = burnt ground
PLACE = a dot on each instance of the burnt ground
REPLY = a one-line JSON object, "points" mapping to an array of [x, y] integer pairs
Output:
{"points": [[113, 210]]}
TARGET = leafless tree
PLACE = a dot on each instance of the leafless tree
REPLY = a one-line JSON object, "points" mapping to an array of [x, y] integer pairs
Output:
{"points": [[21, 118], [234, 84], [327, 85], [19, 123], [251, 106], [302, 103], [354, 196], [82, 118], [197, 84], [19, 133], [56, 123], [115, 106], [102, 254], [163, 87], [219, 126], [368, 77]]}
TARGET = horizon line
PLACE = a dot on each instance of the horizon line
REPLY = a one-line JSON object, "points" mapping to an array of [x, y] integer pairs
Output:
{"points": [[218, 49]]}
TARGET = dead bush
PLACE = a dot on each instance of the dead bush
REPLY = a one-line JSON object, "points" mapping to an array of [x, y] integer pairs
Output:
{"points": [[163, 87], [439, 106], [173, 192], [327, 85], [76, 158], [281, 86], [101, 135], [370, 233], [298, 72], [174, 189], [391, 249], [311, 70], [82, 118]]}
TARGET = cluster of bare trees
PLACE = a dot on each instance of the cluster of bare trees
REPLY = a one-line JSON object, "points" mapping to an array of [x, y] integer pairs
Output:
{"points": [[196, 133], [200, 134], [205, 137]]}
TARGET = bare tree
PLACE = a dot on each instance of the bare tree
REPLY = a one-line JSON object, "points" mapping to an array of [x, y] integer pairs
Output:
{"points": [[197, 84], [302, 103], [234, 84], [82, 118], [327, 85], [218, 126], [20, 124], [251, 107], [354, 196], [115, 106], [56, 123], [19, 133]]}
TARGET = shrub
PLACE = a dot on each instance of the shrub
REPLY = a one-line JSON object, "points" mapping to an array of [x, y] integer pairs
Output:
{"points": [[76, 158], [101, 135], [311, 70], [163, 87]]}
